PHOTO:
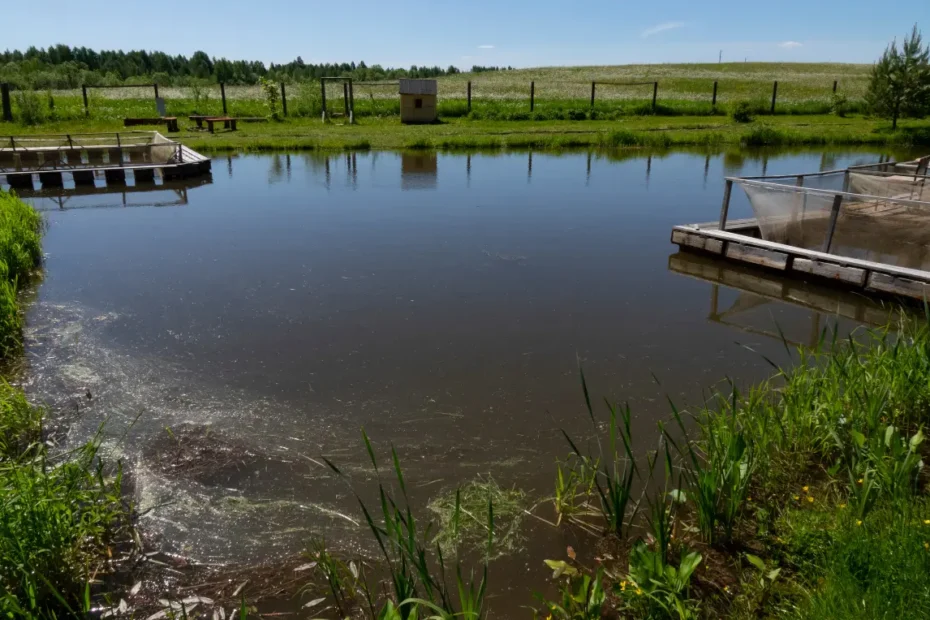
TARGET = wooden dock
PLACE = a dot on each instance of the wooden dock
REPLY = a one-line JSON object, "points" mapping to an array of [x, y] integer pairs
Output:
{"points": [[83, 159], [892, 228]]}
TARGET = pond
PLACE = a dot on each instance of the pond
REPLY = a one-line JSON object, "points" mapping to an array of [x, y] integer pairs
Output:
{"points": [[228, 335]]}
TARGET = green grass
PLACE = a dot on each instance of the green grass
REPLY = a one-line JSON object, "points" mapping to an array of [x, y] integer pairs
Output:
{"points": [[20, 255], [464, 133]]}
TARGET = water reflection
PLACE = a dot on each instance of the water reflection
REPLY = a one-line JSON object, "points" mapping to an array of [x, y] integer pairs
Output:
{"points": [[756, 289], [163, 194], [419, 171]]}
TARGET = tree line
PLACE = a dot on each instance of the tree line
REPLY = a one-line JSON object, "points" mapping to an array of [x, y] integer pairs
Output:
{"points": [[61, 66]]}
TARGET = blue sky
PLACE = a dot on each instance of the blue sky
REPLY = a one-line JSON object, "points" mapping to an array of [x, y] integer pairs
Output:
{"points": [[439, 32]]}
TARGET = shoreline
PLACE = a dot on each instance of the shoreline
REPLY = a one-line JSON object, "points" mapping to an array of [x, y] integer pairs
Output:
{"points": [[454, 134]]}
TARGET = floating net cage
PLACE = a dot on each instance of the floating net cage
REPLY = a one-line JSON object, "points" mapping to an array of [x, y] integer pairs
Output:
{"points": [[876, 215]]}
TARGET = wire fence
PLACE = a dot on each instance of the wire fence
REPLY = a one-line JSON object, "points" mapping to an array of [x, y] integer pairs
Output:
{"points": [[488, 98]]}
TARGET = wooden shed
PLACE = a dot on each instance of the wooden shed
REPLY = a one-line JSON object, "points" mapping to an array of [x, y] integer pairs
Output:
{"points": [[418, 101]]}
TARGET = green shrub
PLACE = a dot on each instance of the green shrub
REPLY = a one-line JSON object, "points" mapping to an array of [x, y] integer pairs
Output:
{"points": [[741, 112], [838, 105], [31, 110]]}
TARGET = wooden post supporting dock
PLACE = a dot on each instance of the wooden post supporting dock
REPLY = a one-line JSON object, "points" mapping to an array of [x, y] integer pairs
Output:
{"points": [[834, 214], [726, 204]]}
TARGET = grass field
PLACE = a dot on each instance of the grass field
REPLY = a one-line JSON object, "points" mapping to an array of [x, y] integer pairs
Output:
{"points": [[562, 93], [463, 133]]}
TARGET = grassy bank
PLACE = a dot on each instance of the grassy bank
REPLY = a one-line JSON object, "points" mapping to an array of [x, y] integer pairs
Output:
{"points": [[652, 131], [59, 513]]}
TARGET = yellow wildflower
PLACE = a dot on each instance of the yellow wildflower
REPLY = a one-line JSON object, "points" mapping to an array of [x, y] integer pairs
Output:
{"points": [[858, 522], [623, 586], [859, 481], [797, 497], [842, 506], [805, 488], [927, 545], [926, 521], [638, 591], [810, 498]]}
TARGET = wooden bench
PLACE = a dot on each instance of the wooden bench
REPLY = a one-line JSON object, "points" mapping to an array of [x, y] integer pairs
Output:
{"points": [[228, 122], [170, 121]]}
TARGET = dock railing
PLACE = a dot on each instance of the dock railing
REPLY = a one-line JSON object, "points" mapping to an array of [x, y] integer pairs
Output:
{"points": [[43, 152]]}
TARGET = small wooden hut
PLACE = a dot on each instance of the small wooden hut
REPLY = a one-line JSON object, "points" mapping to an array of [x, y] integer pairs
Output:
{"points": [[418, 101]]}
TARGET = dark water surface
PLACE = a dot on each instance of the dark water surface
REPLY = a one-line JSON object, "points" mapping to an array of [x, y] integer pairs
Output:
{"points": [[441, 302]]}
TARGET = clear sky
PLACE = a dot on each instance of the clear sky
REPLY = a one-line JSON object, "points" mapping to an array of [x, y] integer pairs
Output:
{"points": [[463, 33]]}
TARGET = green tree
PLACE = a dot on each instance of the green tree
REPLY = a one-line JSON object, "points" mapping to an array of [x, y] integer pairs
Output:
{"points": [[900, 81]]}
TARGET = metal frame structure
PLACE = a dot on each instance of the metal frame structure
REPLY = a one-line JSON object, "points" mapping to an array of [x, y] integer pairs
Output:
{"points": [[348, 96]]}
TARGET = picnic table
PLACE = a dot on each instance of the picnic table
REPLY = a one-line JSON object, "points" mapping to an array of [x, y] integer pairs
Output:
{"points": [[170, 121], [229, 122]]}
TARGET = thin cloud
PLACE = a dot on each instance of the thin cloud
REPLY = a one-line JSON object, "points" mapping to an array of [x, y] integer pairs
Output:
{"points": [[648, 32], [790, 45], [485, 47]]}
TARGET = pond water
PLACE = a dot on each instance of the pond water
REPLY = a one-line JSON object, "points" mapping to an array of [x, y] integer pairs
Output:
{"points": [[443, 303]]}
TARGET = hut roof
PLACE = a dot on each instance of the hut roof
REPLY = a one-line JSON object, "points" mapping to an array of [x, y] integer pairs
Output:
{"points": [[418, 87]]}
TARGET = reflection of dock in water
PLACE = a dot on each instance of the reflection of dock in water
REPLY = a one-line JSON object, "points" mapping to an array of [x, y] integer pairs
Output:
{"points": [[167, 194], [758, 287]]}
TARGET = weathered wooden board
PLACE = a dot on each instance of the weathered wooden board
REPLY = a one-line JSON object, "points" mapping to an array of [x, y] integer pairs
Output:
{"points": [[698, 242], [899, 286], [832, 271], [757, 256]]}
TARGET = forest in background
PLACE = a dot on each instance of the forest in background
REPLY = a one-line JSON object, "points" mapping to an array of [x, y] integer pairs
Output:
{"points": [[62, 67]]}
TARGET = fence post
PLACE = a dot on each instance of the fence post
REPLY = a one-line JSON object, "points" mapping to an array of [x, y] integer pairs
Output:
{"points": [[469, 96], [532, 95], [835, 82], [714, 100], [351, 105], [223, 96], [84, 93], [283, 99], [726, 204], [593, 88], [655, 94], [834, 213], [323, 97], [155, 86], [774, 95], [5, 96], [345, 99]]}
